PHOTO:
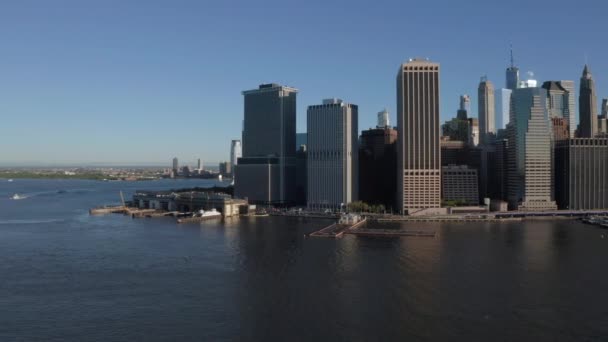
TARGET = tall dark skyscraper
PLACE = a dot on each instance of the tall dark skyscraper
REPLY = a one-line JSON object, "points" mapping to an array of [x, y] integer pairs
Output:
{"points": [[587, 106], [581, 168], [512, 75], [464, 110], [378, 166], [418, 138], [266, 172]]}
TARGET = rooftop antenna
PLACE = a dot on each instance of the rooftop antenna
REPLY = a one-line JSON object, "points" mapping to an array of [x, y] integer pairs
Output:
{"points": [[512, 61]]}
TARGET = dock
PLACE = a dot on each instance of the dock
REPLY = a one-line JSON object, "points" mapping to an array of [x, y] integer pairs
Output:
{"points": [[336, 230], [373, 232], [119, 209]]}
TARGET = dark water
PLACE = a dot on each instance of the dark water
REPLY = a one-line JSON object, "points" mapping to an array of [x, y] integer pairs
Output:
{"points": [[66, 276]]}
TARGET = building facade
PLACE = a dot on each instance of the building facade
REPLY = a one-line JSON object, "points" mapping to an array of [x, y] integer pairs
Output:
{"points": [[530, 153], [301, 139], [332, 154], [418, 139], [502, 101], [485, 101], [225, 169], [465, 105], [175, 166], [236, 152], [569, 87], [512, 75], [383, 119], [378, 167], [473, 132], [581, 181], [459, 184], [558, 106], [266, 172], [587, 102]]}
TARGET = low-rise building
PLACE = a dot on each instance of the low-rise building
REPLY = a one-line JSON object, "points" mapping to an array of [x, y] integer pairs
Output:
{"points": [[459, 184], [188, 201]]}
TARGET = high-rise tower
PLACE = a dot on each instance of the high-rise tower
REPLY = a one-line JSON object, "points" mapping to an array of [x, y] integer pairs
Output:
{"points": [[175, 165], [569, 86], [236, 152], [512, 74], [266, 172], [418, 138], [465, 105], [333, 154], [383, 119], [530, 157], [485, 106], [587, 106]]}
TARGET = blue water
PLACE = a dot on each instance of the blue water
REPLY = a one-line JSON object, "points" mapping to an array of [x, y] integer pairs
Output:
{"points": [[68, 276]]}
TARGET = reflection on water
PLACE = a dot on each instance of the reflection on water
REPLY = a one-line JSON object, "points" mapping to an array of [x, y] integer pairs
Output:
{"points": [[69, 276]]}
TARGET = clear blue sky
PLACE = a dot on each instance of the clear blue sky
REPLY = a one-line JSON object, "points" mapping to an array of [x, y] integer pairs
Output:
{"points": [[142, 81]]}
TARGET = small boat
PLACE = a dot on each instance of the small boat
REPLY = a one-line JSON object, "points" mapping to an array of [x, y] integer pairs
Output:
{"points": [[207, 213], [17, 197], [10, 180]]}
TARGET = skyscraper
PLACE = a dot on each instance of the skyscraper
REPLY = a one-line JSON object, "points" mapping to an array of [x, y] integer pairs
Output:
{"points": [[418, 139], [569, 86], [587, 106], [199, 165], [378, 166], [530, 173], [558, 106], [383, 119], [236, 152], [512, 75], [502, 101], [485, 100], [473, 132], [465, 105], [602, 125], [266, 172], [332, 154], [175, 165]]}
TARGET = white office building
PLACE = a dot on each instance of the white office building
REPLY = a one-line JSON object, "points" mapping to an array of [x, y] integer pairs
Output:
{"points": [[332, 154]]}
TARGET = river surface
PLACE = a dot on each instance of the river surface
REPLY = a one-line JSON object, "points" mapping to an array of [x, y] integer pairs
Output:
{"points": [[68, 276]]}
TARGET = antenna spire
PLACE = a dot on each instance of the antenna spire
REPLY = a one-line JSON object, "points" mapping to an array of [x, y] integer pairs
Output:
{"points": [[511, 50]]}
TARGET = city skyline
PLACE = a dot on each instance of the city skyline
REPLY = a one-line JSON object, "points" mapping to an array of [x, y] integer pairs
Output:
{"points": [[104, 95]]}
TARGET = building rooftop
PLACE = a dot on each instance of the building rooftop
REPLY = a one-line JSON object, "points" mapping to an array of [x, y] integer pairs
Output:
{"points": [[269, 87]]}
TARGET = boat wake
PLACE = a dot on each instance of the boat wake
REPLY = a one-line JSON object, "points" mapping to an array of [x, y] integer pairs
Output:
{"points": [[18, 196], [25, 221]]}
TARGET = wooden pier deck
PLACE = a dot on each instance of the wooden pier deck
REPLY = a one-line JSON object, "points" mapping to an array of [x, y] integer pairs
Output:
{"points": [[119, 209], [373, 232], [336, 230]]}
